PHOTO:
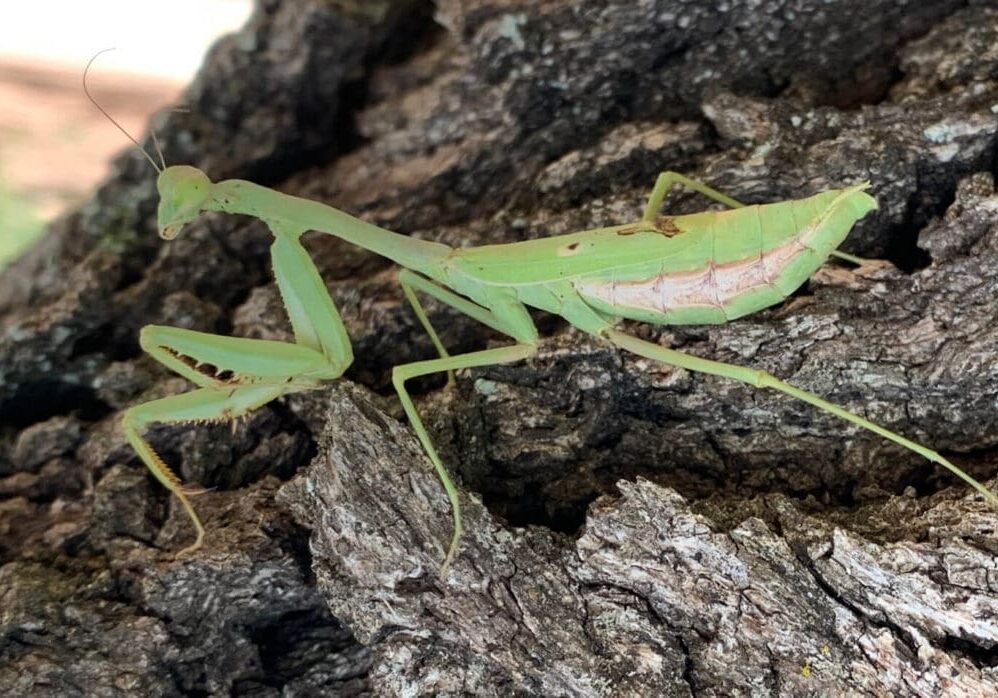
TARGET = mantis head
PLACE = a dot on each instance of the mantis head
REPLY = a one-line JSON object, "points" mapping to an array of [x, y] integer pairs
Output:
{"points": [[183, 191], [183, 194]]}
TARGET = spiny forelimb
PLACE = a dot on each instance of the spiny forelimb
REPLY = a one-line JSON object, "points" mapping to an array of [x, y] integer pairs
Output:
{"points": [[236, 375]]}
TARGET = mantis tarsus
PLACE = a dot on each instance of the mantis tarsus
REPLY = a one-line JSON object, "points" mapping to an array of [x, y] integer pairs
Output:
{"points": [[702, 268]]}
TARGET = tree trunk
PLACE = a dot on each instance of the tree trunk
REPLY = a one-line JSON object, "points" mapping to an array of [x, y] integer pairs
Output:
{"points": [[632, 529]]}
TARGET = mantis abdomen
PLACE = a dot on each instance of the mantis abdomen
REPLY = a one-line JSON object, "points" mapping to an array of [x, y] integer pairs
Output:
{"points": [[733, 263]]}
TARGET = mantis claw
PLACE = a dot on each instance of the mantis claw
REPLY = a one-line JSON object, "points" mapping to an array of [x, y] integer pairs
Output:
{"points": [[182, 492], [455, 544], [192, 548]]}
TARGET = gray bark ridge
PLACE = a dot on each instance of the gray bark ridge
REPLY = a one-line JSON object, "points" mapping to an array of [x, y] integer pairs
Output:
{"points": [[652, 598]]}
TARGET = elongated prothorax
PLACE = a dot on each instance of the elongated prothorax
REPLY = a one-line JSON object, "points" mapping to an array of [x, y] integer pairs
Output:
{"points": [[185, 192], [290, 213]]}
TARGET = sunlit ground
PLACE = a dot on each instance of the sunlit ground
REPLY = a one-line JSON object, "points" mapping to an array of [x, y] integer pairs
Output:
{"points": [[54, 146]]}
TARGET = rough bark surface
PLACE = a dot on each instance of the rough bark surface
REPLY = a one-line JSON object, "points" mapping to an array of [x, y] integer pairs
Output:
{"points": [[645, 531]]}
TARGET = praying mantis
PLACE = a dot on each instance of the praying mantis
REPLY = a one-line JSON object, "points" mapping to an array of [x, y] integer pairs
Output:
{"points": [[701, 268]]}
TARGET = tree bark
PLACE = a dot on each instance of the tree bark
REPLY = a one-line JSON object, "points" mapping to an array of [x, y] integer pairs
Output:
{"points": [[631, 529]]}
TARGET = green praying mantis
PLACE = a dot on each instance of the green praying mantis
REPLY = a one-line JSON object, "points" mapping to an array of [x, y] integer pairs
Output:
{"points": [[701, 268]]}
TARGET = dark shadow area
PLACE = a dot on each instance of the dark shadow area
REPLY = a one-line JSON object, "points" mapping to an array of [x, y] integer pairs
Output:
{"points": [[41, 399]]}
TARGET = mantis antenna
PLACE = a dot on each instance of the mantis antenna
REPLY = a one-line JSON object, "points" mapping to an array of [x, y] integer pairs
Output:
{"points": [[86, 91], [159, 151]]}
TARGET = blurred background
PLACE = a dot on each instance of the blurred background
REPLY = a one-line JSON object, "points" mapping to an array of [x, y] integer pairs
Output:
{"points": [[54, 146]]}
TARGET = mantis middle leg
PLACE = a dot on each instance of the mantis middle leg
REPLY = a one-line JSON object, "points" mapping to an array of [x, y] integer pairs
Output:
{"points": [[666, 180], [507, 315], [410, 283], [761, 379]]}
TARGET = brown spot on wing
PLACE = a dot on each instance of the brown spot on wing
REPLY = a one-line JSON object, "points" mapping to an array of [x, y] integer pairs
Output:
{"points": [[663, 225], [667, 226]]}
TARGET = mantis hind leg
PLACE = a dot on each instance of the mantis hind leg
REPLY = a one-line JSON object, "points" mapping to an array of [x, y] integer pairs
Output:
{"points": [[761, 379], [666, 180], [202, 405]]}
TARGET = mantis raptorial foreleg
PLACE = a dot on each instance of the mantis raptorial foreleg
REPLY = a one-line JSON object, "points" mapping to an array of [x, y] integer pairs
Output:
{"points": [[314, 318], [666, 180], [203, 405], [761, 379], [236, 375]]}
